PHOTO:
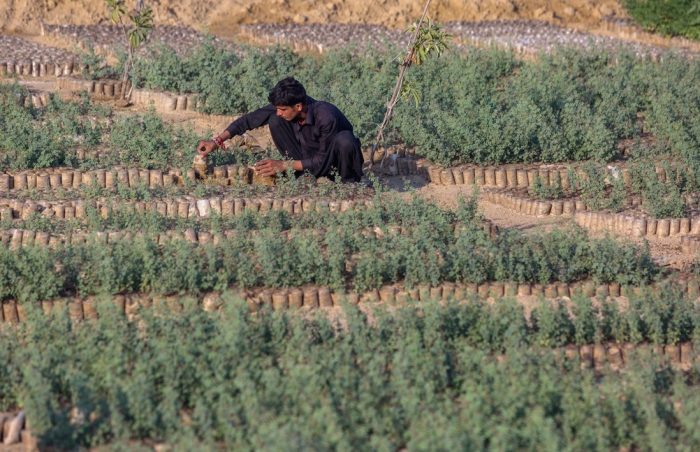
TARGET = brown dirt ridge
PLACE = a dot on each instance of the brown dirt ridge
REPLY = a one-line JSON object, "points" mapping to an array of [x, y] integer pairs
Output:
{"points": [[219, 17]]}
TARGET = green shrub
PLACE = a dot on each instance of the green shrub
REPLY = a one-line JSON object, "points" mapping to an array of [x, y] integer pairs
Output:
{"points": [[97, 65], [477, 106], [661, 199], [669, 17], [473, 375], [592, 187], [47, 137], [148, 141], [544, 192], [672, 116], [428, 253]]}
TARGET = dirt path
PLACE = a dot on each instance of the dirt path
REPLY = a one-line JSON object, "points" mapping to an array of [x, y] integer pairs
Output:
{"points": [[666, 252]]}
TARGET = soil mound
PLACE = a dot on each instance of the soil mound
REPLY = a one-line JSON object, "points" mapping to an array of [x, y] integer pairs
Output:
{"points": [[222, 17]]}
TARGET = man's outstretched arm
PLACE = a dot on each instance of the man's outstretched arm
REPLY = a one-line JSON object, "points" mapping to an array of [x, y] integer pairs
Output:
{"points": [[249, 121]]}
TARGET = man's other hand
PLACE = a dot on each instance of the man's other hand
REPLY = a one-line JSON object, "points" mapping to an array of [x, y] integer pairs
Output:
{"points": [[205, 147], [271, 167]]}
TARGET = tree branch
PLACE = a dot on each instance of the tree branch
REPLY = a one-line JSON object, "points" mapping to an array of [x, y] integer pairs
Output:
{"points": [[405, 64]]}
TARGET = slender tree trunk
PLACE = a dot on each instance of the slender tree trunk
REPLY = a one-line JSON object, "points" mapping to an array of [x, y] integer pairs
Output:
{"points": [[405, 64]]}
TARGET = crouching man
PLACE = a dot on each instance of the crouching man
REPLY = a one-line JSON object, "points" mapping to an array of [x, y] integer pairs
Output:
{"points": [[312, 135]]}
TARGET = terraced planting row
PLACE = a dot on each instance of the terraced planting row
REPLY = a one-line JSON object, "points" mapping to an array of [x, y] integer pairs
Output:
{"points": [[384, 214], [148, 303], [529, 36], [610, 377], [16, 237], [431, 250], [38, 68], [318, 297], [635, 224], [22, 56], [109, 37], [67, 178], [185, 206], [602, 357], [631, 125], [584, 86], [512, 117], [114, 90], [593, 341], [565, 178]]}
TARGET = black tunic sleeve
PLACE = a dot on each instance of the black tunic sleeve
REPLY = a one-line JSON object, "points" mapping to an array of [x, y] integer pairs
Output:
{"points": [[252, 120]]}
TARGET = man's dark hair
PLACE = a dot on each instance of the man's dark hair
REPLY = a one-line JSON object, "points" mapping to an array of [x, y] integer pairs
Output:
{"points": [[287, 92]]}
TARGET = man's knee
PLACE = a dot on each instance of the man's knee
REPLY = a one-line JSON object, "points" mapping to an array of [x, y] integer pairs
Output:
{"points": [[345, 142]]}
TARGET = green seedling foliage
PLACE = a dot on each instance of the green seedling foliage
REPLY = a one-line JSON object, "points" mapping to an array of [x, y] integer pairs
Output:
{"points": [[660, 198], [22, 141], [598, 188], [476, 106], [584, 321], [626, 257], [545, 192], [552, 325], [436, 246], [673, 112], [419, 377], [96, 64], [618, 193], [480, 105], [668, 17], [150, 141]]}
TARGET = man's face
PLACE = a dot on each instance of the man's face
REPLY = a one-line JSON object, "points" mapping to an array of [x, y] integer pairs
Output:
{"points": [[289, 113]]}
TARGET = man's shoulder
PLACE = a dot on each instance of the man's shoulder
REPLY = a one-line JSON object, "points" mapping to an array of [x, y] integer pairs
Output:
{"points": [[326, 108]]}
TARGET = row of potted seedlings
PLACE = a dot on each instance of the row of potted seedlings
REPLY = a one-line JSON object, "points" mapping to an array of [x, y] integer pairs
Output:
{"points": [[528, 206], [114, 89], [636, 225], [522, 176], [180, 207], [66, 178], [506, 176], [313, 297], [16, 238], [41, 68], [33, 99]]}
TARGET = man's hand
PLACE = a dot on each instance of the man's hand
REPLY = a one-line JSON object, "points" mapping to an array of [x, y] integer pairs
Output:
{"points": [[272, 167], [205, 147]]}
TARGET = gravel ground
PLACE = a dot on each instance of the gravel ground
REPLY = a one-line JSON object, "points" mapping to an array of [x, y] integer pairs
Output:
{"points": [[522, 35], [15, 48], [102, 38], [106, 37], [533, 36], [325, 36]]}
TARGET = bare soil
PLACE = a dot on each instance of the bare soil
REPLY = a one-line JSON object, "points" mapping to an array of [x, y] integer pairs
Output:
{"points": [[224, 18], [666, 252], [220, 16]]}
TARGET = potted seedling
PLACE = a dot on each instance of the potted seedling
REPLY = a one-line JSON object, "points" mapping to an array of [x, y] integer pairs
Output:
{"points": [[135, 26]]}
